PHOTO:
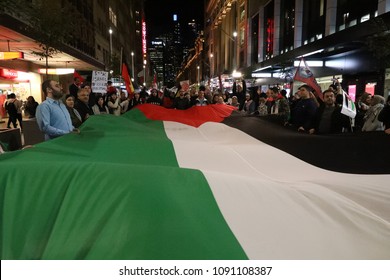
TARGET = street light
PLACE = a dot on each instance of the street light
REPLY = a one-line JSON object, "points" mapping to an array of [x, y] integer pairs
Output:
{"points": [[197, 67], [132, 66], [212, 65], [235, 51], [110, 31], [145, 72]]}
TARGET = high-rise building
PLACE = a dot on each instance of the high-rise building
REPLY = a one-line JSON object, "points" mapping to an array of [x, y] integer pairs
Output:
{"points": [[156, 59], [173, 52], [177, 47]]}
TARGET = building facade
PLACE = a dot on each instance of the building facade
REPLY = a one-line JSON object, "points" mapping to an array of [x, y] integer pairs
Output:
{"points": [[337, 37], [225, 35], [87, 43]]}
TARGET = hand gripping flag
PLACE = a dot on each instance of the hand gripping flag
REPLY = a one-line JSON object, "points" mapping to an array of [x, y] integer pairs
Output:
{"points": [[305, 75], [126, 78], [349, 108]]}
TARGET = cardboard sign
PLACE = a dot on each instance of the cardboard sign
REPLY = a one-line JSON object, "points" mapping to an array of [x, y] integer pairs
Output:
{"points": [[99, 81]]}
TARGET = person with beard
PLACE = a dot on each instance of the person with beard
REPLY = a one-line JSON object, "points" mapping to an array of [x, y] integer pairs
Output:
{"points": [[81, 104], [52, 116], [181, 102], [328, 117]]}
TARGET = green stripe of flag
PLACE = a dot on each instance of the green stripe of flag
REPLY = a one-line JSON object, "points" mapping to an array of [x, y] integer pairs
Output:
{"points": [[113, 192]]}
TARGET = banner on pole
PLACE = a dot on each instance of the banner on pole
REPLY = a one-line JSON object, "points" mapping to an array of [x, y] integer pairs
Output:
{"points": [[305, 75]]}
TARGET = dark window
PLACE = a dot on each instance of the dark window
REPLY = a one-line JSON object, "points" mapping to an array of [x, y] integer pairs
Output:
{"points": [[255, 39], [287, 25], [350, 13], [313, 20]]}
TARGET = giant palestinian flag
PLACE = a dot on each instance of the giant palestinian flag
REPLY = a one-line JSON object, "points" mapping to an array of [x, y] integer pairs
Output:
{"points": [[203, 183]]}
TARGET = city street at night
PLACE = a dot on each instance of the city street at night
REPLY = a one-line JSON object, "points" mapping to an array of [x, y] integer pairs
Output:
{"points": [[195, 139]]}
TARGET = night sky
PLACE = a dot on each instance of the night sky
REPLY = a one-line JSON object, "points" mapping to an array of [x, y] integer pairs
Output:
{"points": [[159, 14]]}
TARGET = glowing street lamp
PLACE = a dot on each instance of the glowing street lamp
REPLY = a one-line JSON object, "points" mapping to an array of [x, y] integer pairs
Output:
{"points": [[144, 72], [132, 66], [212, 65], [110, 31], [197, 67], [235, 51]]}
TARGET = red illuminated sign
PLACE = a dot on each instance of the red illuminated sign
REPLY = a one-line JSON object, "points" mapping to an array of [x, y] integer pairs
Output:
{"points": [[144, 38], [270, 36], [8, 74]]}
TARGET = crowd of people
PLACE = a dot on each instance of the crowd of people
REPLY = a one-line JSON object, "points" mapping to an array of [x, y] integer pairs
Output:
{"points": [[304, 111]]}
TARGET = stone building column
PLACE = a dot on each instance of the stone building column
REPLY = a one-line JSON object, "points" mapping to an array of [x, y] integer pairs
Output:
{"points": [[331, 15], [261, 34], [298, 23], [383, 6], [277, 34]]}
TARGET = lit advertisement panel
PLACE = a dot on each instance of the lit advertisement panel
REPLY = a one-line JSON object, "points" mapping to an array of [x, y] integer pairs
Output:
{"points": [[144, 38]]}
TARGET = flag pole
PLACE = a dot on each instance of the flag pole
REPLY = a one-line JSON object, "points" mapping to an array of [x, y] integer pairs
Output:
{"points": [[121, 60]]}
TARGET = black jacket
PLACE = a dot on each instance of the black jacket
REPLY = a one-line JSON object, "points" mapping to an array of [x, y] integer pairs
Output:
{"points": [[384, 116], [83, 109], [181, 103], [339, 122]]}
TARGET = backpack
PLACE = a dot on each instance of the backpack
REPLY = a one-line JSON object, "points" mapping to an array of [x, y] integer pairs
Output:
{"points": [[10, 108]]}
